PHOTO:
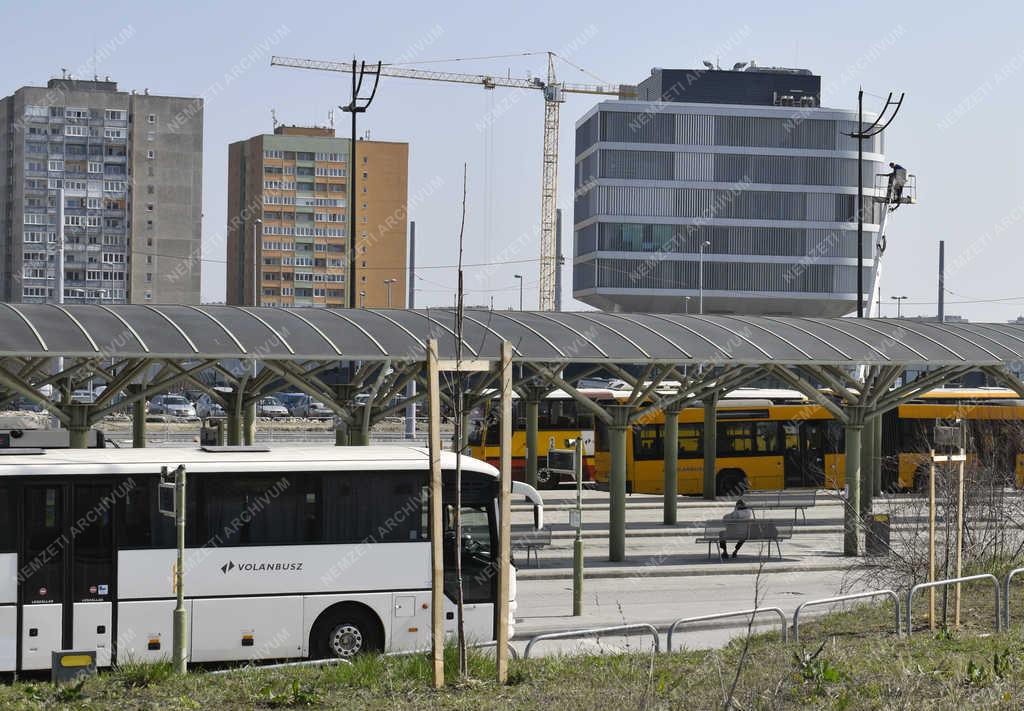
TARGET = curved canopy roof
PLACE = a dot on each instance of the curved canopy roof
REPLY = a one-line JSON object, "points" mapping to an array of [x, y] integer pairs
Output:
{"points": [[191, 332]]}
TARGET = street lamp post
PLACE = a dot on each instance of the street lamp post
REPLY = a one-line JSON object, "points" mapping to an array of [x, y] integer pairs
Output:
{"points": [[686, 305], [255, 263], [520, 278], [362, 299], [899, 305], [700, 298], [860, 134], [387, 285]]}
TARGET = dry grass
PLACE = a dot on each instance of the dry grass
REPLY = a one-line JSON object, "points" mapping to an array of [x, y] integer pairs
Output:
{"points": [[845, 661]]}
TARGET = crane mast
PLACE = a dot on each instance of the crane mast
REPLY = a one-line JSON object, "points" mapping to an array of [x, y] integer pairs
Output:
{"points": [[553, 97]]}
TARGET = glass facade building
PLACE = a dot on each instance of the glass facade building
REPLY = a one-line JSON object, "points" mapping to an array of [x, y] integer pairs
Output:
{"points": [[767, 192]]}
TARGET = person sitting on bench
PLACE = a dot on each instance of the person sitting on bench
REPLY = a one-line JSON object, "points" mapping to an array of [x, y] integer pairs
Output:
{"points": [[740, 514]]}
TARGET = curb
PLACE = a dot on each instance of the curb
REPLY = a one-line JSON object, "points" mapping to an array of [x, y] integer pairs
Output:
{"points": [[675, 571]]}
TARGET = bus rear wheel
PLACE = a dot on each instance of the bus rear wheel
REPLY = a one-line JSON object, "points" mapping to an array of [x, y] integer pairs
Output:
{"points": [[344, 632], [731, 482]]}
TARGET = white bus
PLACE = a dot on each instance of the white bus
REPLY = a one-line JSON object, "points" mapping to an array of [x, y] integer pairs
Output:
{"points": [[312, 552]]}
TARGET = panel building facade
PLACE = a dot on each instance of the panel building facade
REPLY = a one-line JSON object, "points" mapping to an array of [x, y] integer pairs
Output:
{"points": [[288, 212], [130, 167], [737, 179]]}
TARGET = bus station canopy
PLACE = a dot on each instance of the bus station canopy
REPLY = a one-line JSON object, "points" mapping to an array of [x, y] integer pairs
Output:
{"points": [[231, 332]]}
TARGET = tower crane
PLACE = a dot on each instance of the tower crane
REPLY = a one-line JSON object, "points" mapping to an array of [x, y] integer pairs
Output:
{"points": [[554, 92]]}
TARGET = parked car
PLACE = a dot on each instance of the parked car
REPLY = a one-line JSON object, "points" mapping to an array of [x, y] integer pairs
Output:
{"points": [[26, 405], [291, 401], [270, 407], [206, 407], [312, 409], [83, 397], [172, 405]]}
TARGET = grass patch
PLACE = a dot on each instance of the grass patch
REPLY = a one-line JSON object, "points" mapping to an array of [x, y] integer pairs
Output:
{"points": [[838, 665]]}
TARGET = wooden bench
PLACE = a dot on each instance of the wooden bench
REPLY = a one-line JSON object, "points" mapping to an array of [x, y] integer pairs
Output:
{"points": [[772, 500], [754, 531], [530, 539]]}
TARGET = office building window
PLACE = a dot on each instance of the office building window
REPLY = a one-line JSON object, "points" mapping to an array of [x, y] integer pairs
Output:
{"points": [[151, 118]]}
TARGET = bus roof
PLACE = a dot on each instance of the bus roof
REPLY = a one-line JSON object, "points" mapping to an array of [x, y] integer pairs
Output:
{"points": [[969, 394], [57, 462]]}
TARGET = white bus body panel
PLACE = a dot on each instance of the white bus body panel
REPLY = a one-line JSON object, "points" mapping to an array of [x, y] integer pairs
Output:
{"points": [[8, 575], [139, 623], [89, 619], [285, 570], [247, 628], [47, 621], [8, 637]]}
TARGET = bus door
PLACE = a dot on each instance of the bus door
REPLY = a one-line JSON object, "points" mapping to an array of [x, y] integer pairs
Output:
{"points": [[813, 441], [804, 461], [66, 571]]}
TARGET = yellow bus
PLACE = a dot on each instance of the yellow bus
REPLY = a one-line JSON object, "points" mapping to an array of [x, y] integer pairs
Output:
{"points": [[761, 445], [776, 442], [560, 418], [995, 428]]}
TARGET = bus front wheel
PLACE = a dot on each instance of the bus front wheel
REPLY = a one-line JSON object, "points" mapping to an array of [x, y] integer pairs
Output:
{"points": [[345, 631]]}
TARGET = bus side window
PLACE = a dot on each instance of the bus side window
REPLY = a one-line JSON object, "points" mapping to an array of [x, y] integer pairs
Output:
{"points": [[355, 504], [648, 442], [691, 441], [766, 436], [9, 511], [735, 438], [142, 525]]}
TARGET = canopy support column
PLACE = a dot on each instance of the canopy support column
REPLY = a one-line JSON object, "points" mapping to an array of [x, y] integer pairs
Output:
{"points": [[532, 421], [671, 446], [249, 423], [710, 446], [78, 427], [138, 416], [617, 484], [876, 463], [867, 455], [851, 513]]}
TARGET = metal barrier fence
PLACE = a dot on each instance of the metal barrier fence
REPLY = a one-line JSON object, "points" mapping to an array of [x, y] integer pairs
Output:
{"points": [[952, 581], [725, 615], [1006, 596], [845, 598], [596, 632]]}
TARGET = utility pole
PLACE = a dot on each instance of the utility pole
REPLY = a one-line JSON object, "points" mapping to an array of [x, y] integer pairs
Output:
{"points": [[942, 281], [860, 134], [899, 305], [410, 388], [387, 285], [357, 106]]}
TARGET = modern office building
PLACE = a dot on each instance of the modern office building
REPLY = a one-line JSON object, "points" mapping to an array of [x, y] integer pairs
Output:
{"points": [[288, 201], [739, 179], [130, 165]]}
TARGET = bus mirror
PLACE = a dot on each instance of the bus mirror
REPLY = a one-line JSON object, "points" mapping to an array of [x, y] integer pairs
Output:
{"points": [[165, 492]]}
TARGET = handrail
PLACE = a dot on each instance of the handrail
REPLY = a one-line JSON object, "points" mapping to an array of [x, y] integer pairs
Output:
{"points": [[951, 581], [595, 632], [724, 615], [844, 598], [1006, 596]]}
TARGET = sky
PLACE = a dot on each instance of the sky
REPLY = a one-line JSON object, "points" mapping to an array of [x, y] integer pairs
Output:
{"points": [[960, 131]]}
